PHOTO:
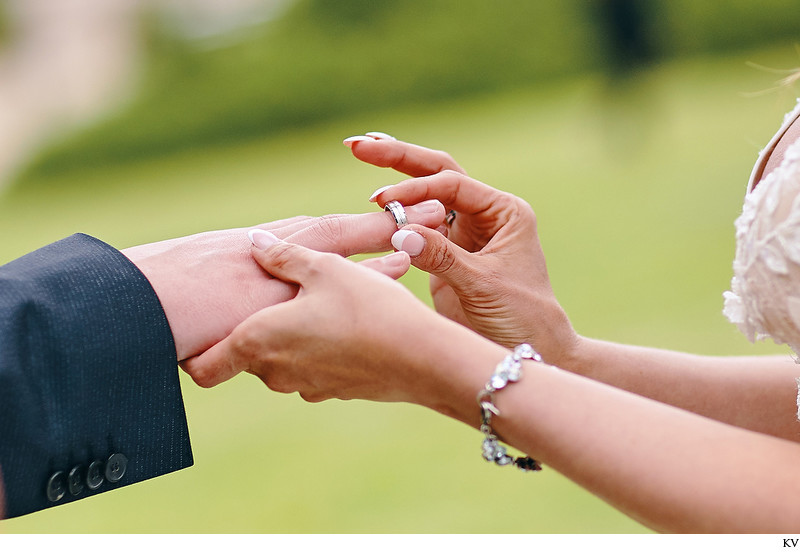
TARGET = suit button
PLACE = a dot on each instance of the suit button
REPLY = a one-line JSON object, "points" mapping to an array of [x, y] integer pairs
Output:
{"points": [[94, 475], [56, 486], [75, 481], [116, 466]]}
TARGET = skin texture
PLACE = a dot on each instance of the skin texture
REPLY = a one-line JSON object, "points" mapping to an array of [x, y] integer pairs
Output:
{"points": [[679, 442], [502, 290], [592, 420], [493, 238], [208, 283], [357, 328], [638, 454]]}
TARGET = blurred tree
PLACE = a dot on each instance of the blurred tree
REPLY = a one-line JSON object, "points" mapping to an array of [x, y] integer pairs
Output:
{"points": [[327, 59], [627, 28]]}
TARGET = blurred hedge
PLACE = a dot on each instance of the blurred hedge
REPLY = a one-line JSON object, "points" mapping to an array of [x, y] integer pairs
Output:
{"points": [[324, 59], [4, 30]]}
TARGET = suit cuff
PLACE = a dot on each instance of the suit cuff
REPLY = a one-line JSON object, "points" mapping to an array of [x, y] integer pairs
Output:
{"points": [[88, 371]]}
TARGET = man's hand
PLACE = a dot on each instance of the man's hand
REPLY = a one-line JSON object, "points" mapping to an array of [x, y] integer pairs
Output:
{"points": [[208, 283]]}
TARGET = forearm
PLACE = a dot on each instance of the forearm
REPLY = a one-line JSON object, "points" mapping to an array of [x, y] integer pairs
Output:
{"points": [[670, 469], [756, 393]]}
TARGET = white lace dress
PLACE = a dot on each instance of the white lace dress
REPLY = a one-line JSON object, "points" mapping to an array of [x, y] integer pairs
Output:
{"points": [[764, 300]]}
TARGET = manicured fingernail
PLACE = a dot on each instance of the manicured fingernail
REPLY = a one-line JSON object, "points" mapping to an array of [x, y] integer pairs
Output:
{"points": [[262, 239], [353, 139], [428, 207], [408, 241], [381, 136], [379, 191], [396, 259]]}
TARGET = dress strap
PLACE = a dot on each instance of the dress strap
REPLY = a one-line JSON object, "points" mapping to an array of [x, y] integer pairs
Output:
{"points": [[764, 155]]}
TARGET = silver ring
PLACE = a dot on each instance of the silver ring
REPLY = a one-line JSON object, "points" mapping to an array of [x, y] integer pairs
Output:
{"points": [[450, 217], [398, 212]]}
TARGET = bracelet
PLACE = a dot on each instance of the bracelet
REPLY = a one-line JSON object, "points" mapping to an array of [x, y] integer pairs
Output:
{"points": [[507, 371]]}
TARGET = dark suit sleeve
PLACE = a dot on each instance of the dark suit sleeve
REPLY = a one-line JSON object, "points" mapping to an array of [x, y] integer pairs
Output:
{"points": [[89, 393]]}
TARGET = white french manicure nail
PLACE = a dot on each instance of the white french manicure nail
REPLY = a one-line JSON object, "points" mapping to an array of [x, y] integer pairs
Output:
{"points": [[379, 191], [395, 259], [262, 239], [408, 241], [353, 139], [428, 207], [381, 136]]}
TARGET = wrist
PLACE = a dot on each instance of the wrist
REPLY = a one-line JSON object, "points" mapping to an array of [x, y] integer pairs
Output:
{"points": [[143, 261], [579, 357], [507, 372], [459, 370], [554, 338]]}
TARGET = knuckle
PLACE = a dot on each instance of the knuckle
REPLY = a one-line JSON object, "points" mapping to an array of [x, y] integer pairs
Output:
{"points": [[244, 341], [525, 208], [265, 377], [445, 185], [330, 233], [280, 255], [444, 160], [275, 379], [203, 378], [279, 384], [447, 159], [450, 173], [200, 374], [330, 227], [526, 211], [442, 259], [515, 210], [312, 396]]}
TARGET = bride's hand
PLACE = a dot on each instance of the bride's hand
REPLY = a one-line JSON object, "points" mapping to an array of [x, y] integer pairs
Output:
{"points": [[208, 283], [489, 273], [351, 333]]}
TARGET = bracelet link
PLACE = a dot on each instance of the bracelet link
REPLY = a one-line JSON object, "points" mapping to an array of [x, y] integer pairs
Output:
{"points": [[507, 371]]}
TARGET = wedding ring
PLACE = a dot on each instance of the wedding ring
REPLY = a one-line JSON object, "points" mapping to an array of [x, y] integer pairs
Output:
{"points": [[398, 212], [450, 217]]}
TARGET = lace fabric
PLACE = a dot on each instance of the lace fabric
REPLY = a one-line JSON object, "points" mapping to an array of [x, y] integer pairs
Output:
{"points": [[764, 300]]}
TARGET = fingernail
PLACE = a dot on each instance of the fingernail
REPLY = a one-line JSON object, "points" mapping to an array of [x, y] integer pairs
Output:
{"points": [[428, 207], [396, 259], [381, 136], [408, 241], [379, 191], [353, 139], [262, 239]]}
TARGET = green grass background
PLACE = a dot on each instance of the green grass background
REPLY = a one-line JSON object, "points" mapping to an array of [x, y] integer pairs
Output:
{"points": [[636, 185]]}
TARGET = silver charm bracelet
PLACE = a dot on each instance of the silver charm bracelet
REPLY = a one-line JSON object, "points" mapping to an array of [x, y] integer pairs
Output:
{"points": [[507, 371]]}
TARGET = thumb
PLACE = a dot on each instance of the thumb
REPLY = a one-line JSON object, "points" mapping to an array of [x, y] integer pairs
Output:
{"points": [[287, 261], [231, 355], [213, 366], [393, 265], [434, 253]]}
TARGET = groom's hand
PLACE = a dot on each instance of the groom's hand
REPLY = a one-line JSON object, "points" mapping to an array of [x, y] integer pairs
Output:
{"points": [[208, 283]]}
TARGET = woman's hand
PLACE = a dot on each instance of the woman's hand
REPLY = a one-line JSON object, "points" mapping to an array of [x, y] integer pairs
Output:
{"points": [[351, 333], [489, 273], [208, 283]]}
